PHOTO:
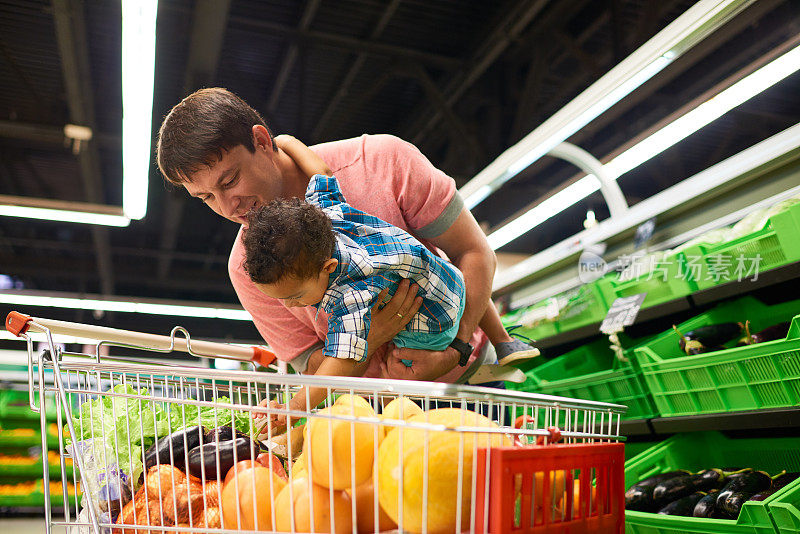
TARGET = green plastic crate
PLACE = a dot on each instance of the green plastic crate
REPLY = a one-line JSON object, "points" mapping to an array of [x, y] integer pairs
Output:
{"points": [[703, 450], [592, 372], [585, 305], [778, 243], [766, 375], [667, 281], [786, 510], [634, 448], [532, 328]]}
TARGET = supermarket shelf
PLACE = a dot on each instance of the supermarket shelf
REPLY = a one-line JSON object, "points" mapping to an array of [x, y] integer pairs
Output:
{"points": [[699, 298], [777, 418], [755, 419]]}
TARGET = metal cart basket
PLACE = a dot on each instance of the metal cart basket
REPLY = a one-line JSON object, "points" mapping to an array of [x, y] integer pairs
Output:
{"points": [[162, 448]]}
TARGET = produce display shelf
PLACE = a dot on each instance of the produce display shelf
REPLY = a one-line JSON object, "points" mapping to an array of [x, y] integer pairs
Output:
{"points": [[667, 281], [774, 245], [765, 375], [28, 440], [593, 372], [20, 471], [703, 450], [586, 305]]}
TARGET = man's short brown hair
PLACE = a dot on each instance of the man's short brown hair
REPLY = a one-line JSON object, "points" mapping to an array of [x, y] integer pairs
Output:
{"points": [[200, 128], [287, 237]]}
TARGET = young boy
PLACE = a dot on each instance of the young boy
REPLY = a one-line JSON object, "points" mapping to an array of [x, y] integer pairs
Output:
{"points": [[327, 254]]}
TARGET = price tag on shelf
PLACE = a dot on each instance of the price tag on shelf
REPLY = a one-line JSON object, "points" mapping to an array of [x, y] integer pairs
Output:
{"points": [[643, 233], [623, 313]]}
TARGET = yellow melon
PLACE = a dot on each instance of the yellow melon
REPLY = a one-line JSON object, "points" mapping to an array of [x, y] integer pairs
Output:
{"points": [[335, 447], [442, 469], [357, 400], [298, 492], [401, 408]]}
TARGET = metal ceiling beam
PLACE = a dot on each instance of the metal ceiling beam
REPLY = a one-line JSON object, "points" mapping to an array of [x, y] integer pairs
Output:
{"points": [[73, 48], [291, 55], [343, 86], [691, 57], [512, 25], [352, 44], [209, 20], [459, 132], [54, 135]]}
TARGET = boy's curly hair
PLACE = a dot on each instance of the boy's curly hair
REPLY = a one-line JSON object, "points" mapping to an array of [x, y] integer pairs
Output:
{"points": [[287, 237]]}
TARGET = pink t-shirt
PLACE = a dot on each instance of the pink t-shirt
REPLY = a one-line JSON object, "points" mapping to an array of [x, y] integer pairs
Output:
{"points": [[381, 175]]}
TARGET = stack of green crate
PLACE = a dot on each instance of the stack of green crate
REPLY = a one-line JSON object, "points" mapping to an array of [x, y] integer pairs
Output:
{"points": [[593, 372], [695, 451], [534, 320], [667, 280], [765, 375], [772, 246], [581, 306], [20, 431]]}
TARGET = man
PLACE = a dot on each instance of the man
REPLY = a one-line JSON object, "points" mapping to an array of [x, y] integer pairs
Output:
{"points": [[219, 149]]}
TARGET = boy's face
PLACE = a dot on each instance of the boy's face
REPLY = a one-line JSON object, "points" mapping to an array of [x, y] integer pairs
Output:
{"points": [[295, 292]]}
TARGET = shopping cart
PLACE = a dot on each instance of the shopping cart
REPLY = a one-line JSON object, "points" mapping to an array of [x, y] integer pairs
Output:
{"points": [[157, 448]]}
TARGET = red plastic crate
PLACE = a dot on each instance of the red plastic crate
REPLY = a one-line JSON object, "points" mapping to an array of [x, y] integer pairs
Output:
{"points": [[515, 507]]}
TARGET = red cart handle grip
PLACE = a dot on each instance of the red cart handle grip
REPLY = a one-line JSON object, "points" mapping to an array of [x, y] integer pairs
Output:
{"points": [[17, 323], [263, 356]]}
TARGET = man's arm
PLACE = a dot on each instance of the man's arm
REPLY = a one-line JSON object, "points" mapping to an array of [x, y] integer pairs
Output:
{"points": [[465, 244]]}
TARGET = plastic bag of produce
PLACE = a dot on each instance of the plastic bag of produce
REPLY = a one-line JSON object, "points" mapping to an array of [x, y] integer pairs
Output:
{"points": [[85, 521], [109, 486], [756, 220], [712, 237]]}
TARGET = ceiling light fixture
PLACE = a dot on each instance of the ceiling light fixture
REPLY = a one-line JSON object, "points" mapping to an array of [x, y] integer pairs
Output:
{"points": [[48, 214], [20, 298], [713, 108], [138, 66], [694, 25]]}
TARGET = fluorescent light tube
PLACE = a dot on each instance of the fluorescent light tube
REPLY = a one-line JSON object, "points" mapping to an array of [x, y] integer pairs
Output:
{"points": [[699, 21], [47, 214], [669, 135], [138, 66], [23, 299], [545, 210], [707, 112]]}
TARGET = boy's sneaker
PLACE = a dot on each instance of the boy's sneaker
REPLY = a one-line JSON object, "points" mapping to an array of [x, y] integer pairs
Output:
{"points": [[516, 349]]}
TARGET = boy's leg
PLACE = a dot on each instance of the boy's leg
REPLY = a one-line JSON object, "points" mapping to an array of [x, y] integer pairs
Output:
{"points": [[508, 348]]}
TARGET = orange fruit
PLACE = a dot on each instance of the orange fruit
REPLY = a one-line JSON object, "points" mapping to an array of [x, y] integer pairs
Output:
{"points": [[442, 469], [401, 408], [337, 520], [365, 510], [341, 453], [239, 509]]}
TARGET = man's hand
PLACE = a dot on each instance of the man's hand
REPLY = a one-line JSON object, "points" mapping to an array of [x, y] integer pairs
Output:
{"points": [[425, 364], [390, 319], [277, 422]]}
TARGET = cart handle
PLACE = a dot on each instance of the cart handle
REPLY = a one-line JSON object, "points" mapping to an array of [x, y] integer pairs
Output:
{"points": [[19, 324]]}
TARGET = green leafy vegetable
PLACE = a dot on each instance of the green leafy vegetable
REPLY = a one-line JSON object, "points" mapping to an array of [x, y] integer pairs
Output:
{"points": [[118, 429]]}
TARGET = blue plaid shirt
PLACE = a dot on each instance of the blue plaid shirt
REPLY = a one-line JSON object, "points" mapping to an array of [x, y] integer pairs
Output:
{"points": [[374, 255]]}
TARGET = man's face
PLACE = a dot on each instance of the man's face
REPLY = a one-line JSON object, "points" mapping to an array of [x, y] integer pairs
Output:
{"points": [[238, 182]]}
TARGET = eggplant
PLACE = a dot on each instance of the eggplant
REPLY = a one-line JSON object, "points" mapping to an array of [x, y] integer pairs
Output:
{"points": [[683, 506], [779, 482], [682, 486], [202, 460], [737, 491], [770, 333], [227, 433], [639, 497], [698, 340], [172, 449], [707, 505]]}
